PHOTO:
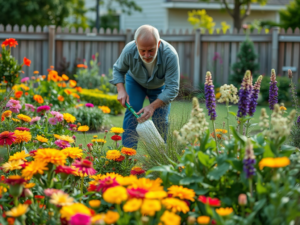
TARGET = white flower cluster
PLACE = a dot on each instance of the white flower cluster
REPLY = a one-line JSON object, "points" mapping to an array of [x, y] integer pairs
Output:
{"points": [[264, 119], [196, 126], [280, 126], [228, 94]]}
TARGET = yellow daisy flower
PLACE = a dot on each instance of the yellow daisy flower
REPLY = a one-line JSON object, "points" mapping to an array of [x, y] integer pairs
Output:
{"points": [[19, 155], [17, 211], [41, 139]]}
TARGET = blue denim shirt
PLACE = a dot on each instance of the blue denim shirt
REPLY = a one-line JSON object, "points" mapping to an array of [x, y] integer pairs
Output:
{"points": [[166, 71]]}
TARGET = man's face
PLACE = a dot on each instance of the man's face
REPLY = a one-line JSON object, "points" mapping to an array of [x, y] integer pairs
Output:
{"points": [[147, 48]]}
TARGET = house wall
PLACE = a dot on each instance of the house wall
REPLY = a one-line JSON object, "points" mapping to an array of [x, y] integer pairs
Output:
{"points": [[177, 18]]}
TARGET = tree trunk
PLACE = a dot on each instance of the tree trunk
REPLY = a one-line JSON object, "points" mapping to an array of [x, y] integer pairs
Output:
{"points": [[237, 20]]}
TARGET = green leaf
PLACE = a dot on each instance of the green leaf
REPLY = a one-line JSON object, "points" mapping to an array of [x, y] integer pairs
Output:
{"points": [[268, 152], [204, 141], [189, 180], [205, 160], [259, 187], [218, 172], [236, 164], [164, 168], [232, 113], [240, 138], [287, 150]]}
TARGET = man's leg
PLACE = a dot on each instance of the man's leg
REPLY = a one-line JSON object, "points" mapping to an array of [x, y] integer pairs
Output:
{"points": [[161, 115], [137, 96]]}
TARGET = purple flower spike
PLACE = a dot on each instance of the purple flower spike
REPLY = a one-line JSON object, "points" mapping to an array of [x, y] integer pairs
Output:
{"points": [[249, 160], [244, 95], [298, 120], [254, 96], [210, 97], [273, 91]]}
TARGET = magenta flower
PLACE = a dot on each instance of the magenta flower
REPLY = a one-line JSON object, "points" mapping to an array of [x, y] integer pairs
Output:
{"points": [[34, 119], [29, 107], [62, 144], [14, 105], [137, 192], [90, 105], [107, 183], [52, 121], [80, 219], [43, 109], [72, 127], [25, 79], [22, 128], [85, 166]]}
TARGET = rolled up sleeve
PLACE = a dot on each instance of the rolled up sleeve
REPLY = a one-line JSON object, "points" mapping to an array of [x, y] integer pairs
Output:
{"points": [[120, 68], [172, 79]]}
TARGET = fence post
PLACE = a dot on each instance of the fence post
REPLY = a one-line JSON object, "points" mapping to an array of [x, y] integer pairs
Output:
{"points": [[51, 45], [274, 56], [128, 36], [197, 55]]}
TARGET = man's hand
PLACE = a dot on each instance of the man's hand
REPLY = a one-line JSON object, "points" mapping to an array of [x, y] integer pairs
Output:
{"points": [[122, 94], [149, 110]]}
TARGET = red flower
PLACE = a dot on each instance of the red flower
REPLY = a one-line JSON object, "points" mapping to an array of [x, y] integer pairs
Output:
{"points": [[7, 138], [210, 201], [2, 118], [39, 197], [64, 169], [15, 180], [24, 164], [11, 42], [26, 61], [137, 192], [89, 157], [92, 187], [32, 153], [106, 183], [137, 171], [28, 202], [120, 159], [116, 138], [22, 128], [85, 166]]}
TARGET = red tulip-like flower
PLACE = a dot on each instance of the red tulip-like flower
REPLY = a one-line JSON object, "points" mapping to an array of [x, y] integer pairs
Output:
{"points": [[116, 138], [26, 61], [7, 138], [210, 201]]}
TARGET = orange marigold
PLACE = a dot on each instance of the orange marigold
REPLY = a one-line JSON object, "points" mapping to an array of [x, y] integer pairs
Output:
{"points": [[65, 77], [22, 136], [75, 95], [68, 92], [79, 89], [18, 94], [81, 66], [60, 98], [72, 83], [128, 151], [38, 99]]}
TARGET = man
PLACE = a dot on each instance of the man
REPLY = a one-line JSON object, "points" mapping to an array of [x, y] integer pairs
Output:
{"points": [[151, 67]]}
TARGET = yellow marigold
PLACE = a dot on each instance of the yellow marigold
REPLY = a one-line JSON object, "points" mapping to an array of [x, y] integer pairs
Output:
{"points": [[115, 195], [68, 211], [65, 77], [84, 128], [111, 217], [126, 181], [117, 130], [66, 138], [50, 155], [104, 109], [99, 141], [29, 185], [19, 155], [22, 136], [169, 218], [12, 165], [73, 152], [56, 136], [274, 162], [17, 211], [282, 108], [41, 139], [156, 194], [69, 118], [132, 205], [224, 211], [181, 192], [33, 168], [149, 207], [61, 199], [113, 154], [24, 118], [203, 219], [175, 205], [2, 190], [95, 203], [16, 120], [95, 136], [147, 184], [128, 151], [72, 83], [7, 113]]}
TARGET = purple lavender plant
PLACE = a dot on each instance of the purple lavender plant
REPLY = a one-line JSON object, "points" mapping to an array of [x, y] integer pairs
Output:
{"points": [[254, 96], [273, 91], [210, 97], [244, 95], [249, 160]]}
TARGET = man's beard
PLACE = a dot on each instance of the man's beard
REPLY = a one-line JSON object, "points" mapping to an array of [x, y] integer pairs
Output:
{"points": [[151, 57]]}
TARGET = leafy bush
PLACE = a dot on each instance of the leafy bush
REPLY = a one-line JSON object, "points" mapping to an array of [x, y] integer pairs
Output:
{"points": [[92, 117], [99, 98]]}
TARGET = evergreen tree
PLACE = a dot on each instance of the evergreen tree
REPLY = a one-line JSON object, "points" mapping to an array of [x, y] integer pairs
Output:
{"points": [[245, 61]]}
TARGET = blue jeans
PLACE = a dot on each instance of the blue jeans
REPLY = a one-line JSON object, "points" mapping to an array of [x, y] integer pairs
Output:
{"points": [[137, 95]]}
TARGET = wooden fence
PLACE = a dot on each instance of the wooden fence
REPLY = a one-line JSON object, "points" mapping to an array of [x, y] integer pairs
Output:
{"points": [[197, 52]]}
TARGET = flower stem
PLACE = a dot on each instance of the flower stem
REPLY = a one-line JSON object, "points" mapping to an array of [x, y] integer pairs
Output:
{"points": [[248, 124], [8, 152], [85, 138], [241, 128], [81, 187], [215, 135], [16, 202], [21, 145], [250, 187], [227, 105]]}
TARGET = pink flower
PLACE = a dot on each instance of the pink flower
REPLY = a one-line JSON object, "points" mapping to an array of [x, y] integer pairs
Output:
{"points": [[59, 117], [22, 128], [7, 138], [54, 113], [25, 79], [137, 192], [35, 119], [43, 109], [93, 57], [90, 105], [80, 219], [50, 191], [85, 166], [14, 105], [62, 144], [52, 121], [29, 107], [106, 183], [64, 169]]}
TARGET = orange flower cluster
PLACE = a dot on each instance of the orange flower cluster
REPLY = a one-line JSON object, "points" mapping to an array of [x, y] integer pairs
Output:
{"points": [[18, 94], [26, 61], [11, 42], [53, 75], [38, 99], [82, 66]]}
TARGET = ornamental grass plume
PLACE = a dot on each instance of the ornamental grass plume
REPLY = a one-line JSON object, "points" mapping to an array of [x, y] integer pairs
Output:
{"points": [[264, 120], [273, 91], [249, 160], [196, 126], [254, 96], [210, 98]]}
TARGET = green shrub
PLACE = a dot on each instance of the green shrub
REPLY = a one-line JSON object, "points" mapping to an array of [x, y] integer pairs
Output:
{"points": [[92, 117], [98, 98], [283, 84]]}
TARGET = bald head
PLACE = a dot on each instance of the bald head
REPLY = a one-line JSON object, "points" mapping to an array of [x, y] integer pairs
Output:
{"points": [[147, 33]]}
